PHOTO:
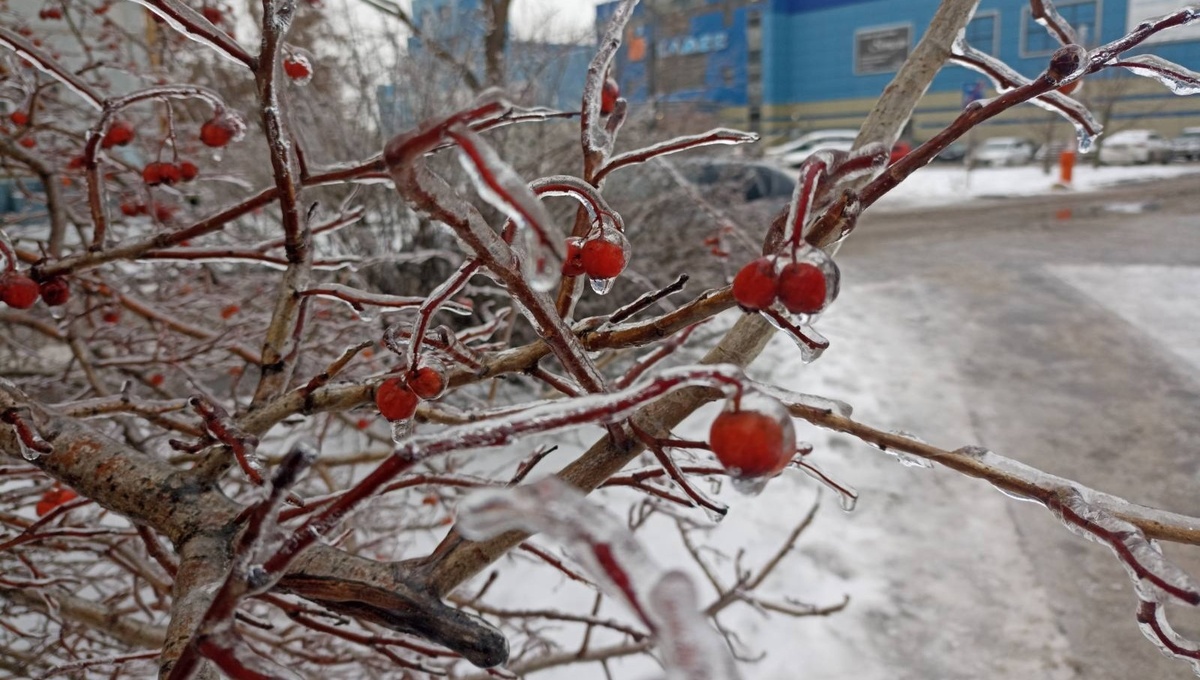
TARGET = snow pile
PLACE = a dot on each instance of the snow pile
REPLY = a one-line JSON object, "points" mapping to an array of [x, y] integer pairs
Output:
{"points": [[942, 185]]}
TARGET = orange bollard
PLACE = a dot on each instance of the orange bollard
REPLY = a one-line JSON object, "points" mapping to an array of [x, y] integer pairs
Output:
{"points": [[1066, 166]]}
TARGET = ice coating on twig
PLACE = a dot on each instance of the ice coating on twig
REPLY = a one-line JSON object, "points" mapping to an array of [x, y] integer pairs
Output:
{"points": [[554, 414], [1143, 560], [690, 648], [1152, 621], [595, 137], [595, 538], [1005, 78], [790, 398], [609, 552], [1176, 78], [1044, 12], [670, 146]]}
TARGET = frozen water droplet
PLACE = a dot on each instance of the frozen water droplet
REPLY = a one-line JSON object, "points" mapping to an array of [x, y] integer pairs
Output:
{"points": [[847, 502], [401, 429], [1084, 139], [602, 286], [715, 516], [749, 486], [810, 343], [902, 457], [27, 452]]}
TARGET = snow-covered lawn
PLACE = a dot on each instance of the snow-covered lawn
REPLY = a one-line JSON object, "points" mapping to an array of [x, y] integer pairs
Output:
{"points": [[946, 185]]}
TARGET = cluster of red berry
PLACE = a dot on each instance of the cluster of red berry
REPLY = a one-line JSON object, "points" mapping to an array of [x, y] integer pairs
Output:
{"points": [[755, 441], [21, 292], [803, 286], [398, 397], [163, 212], [50, 14], [169, 173], [602, 254]]}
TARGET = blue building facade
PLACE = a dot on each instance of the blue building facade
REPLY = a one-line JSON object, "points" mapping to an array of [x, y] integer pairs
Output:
{"points": [[812, 64]]}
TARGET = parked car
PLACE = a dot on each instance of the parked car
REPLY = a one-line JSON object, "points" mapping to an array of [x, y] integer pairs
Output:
{"points": [[1003, 151], [1135, 146], [1187, 145], [954, 153], [810, 140]]}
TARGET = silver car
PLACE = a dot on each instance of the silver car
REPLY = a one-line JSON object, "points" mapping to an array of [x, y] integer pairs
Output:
{"points": [[1187, 145], [1135, 147]]}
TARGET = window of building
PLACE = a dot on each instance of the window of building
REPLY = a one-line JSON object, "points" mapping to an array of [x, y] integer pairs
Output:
{"points": [[1084, 16], [983, 33]]}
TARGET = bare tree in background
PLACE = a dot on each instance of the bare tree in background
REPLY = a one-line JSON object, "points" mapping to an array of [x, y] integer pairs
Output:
{"points": [[197, 474]]}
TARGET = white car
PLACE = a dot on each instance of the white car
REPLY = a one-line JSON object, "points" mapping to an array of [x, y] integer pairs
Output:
{"points": [[1003, 151], [794, 153], [1135, 146]]}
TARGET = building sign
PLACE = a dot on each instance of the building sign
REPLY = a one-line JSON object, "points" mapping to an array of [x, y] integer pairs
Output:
{"points": [[700, 43], [881, 50], [1140, 10]]}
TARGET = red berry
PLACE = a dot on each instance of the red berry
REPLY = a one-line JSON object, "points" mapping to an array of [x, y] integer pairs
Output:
{"points": [[18, 291], [362, 423], [170, 173], [119, 133], [211, 13], [152, 173], [608, 96], [394, 400], [427, 382], [218, 131], [55, 291], [19, 117], [77, 163], [131, 209], [164, 212], [802, 288], [111, 315], [27, 142], [756, 285], [751, 444], [573, 262], [229, 311], [188, 171], [50, 13], [1071, 87], [296, 68], [52, 499], [604, 257]]}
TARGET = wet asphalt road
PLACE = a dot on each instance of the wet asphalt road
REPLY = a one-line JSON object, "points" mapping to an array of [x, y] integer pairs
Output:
{"points": [[1018, 306]]}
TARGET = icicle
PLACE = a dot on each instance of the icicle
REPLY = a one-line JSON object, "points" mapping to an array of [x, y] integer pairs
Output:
{"points": [[847, 496], [401, 429]]}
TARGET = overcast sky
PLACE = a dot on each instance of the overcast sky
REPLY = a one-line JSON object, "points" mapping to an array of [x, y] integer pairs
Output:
{"points": [[553, 19]]}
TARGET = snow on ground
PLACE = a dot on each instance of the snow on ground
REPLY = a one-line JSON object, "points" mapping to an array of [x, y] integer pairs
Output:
{"points": [[1171, 311], [946, 185]]}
